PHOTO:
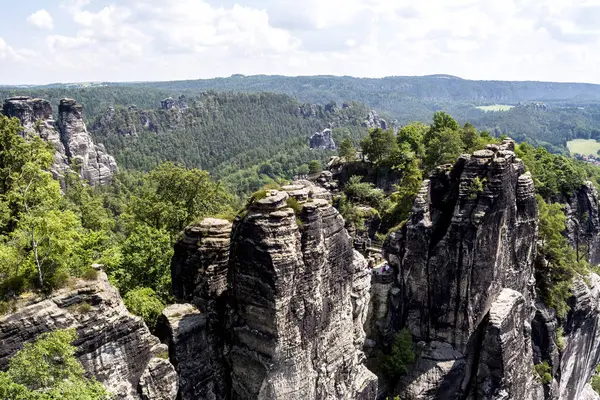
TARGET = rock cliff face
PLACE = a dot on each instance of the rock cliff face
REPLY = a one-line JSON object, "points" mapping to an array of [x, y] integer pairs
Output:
{"points": [[297, 333], [322, 140], [113, 345], [465, 279], [73, 145], [375, 121], [583, 223], [36, 117], [277, 305], [95, 165]]}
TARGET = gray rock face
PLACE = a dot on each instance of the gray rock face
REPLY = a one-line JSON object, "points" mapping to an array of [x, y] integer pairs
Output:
{"points": [[582, 339], [94, 164], [113, 345], [299, 299], [73, 145], [195, 334], [375, 121], [169, 103], [459, 250], [583, 223], [36, 117], [322, 140]]}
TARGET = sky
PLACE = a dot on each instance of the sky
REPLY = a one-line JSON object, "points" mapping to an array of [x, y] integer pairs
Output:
{"points": [[47, 41]]}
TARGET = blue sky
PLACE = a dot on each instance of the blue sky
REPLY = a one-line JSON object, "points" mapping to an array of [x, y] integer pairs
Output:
{"points": [[125, 40]]}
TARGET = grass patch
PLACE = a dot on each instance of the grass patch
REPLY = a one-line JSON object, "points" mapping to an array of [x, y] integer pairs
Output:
{"points": [[90, 274], [81, 308], [495, 108], [560, 341], [543, 371], [585, 147], [294, 205]]}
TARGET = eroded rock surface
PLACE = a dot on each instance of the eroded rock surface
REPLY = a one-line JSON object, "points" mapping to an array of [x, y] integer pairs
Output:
{"points": [[94, 164], [322, 140], [299, 299], [459, 250], [583, 223], [113, 345], [72, 143]]}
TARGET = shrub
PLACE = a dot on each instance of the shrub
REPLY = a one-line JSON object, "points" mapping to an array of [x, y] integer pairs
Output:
{"points": [[81, 308], [144, 303], [258, 195], [544, 372], [294, 205], [560, 341], [401, 356], [90, 274], [596, 383]]}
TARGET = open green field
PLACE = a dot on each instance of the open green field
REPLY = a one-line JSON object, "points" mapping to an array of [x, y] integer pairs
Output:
{"points": [[583, 146], [495, 107]]}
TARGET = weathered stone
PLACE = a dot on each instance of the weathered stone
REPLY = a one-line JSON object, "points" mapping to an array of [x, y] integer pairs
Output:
{"points": [[298, 305], [94, 164], [583, 223], [322, 140], [159, 381], [113, 345], [374, 121], [36, 117]]}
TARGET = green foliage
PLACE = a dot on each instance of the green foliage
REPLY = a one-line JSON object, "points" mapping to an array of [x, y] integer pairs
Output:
{"points": [[401, 356], [476, 187], [444, 146], [47, 369], [379, 145], [314, 167], [144, 303], [173, 197], [294, 205], [560, 340], [364, 193], [544, 372], [258, 195], [145, 261], [346, 149], [595, 382], [556, 263]]}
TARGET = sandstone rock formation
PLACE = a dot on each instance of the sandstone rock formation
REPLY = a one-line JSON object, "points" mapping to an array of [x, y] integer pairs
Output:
{"points": [[195, 333], [465, 277], [73, 145], [322, 140], [276, 305], [113, 345], [297, 329], [583, 223], [169, 103], [36, 117], [94, 164], [374, 121]]}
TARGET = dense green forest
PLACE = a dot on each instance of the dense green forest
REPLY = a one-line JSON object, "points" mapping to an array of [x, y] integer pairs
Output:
{"points": [[51, 235], [545, 113]]}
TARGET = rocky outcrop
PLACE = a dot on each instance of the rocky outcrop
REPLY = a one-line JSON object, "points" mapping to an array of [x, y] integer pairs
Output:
{"points": [[36, 117], [195, 333], [461, 248], [113, 345], [322, 140], [298, 305], [374, 121], [92, 161], [583, 223], [169, 104], [73, 145]]}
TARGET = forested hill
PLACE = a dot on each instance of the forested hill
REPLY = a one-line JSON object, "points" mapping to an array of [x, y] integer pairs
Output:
{"points": [[544, 113], [230, 135], [375, 90]]}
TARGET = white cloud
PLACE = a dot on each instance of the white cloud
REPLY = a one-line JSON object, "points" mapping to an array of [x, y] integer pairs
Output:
{"points": [[41, 19], [180, 39]]}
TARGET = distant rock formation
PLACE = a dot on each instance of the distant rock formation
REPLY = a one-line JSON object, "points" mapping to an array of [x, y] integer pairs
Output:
{"points": [[36, 117], [374, 121], [322, 140], [112, 345], [169, 103], [95, 165], [73, 145]]}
